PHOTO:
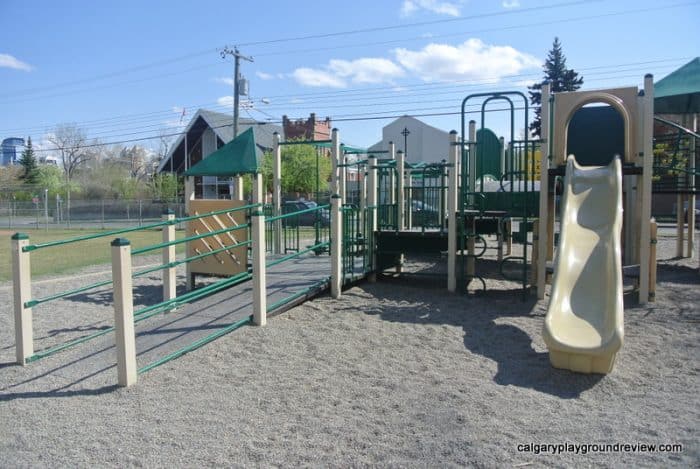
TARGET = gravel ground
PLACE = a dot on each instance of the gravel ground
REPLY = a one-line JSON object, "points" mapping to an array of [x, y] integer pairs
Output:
{"points": [[396, 373]]}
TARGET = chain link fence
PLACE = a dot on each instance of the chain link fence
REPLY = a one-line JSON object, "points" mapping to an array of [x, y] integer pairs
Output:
{"points": [[89, 214]]}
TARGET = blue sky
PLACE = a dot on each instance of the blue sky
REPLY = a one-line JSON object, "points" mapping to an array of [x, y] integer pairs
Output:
{"points": [[125, 70]]}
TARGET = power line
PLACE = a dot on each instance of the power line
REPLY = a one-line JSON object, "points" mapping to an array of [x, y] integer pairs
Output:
{"points": [[422, 23], [358, 94]]}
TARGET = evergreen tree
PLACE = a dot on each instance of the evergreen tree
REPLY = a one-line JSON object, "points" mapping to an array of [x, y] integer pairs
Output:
{"points": [[559, 77], [29, 164]]}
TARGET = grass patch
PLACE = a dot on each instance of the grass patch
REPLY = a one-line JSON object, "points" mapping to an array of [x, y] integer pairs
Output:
{"points": [[72, 257]]}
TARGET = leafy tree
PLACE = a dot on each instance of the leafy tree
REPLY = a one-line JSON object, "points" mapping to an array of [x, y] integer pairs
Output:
{"points": [[29, 164], [299, 169], [165, 186], [559, 77], [50, 177]]}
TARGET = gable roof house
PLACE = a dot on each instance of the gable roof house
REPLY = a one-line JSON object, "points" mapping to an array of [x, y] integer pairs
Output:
{"points": [[424, 142], [206, 132]]}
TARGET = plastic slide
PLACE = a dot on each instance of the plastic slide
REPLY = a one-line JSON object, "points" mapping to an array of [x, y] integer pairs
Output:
{"points": [[584, 324]]}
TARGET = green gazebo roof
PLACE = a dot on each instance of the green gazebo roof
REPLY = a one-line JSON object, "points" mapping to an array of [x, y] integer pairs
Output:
{"points": [[236, 157], [679, 92]]}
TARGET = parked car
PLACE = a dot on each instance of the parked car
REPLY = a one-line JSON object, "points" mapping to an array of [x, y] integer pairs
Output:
{"points": [[697, 211], [321, 216], [423, 214]]}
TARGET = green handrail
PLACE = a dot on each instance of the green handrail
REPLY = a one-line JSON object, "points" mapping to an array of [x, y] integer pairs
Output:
{"points": [[297, 254], [197, 344], [33, 247], [38, 301], [144, 314], [153, 247], [296, 295], [288, 215]]}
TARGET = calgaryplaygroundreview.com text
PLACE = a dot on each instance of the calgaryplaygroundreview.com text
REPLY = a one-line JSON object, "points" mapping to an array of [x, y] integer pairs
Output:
{"points": [[586, 448]]}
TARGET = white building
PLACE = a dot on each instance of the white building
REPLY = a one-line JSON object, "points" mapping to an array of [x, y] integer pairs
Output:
{"points": [[423, 142]]}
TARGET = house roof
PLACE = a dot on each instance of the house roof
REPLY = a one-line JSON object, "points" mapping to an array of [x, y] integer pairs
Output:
{"points": [[222, 126], [236, 157]]}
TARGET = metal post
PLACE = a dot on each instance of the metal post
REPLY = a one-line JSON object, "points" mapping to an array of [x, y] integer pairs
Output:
{"points": [[22, 288], [169, 273], [544, 222], [392, 184], [258, 254], [372, 202], [400, 209], [645, 215], [189, 196], [472, 160], [453, 190], [336, 246], [335, 162], [46, 208], [277, 190], [123, 312]]}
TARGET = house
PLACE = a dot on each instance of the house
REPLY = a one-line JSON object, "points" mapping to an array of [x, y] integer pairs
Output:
{"points": [[419, 141], [206, 132]]}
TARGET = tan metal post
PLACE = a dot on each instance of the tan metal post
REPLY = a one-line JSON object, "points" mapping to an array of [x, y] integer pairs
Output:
{"points": [[453, 194], [336, 246], [372, 202], [169, 273], [258, 255], [22, 288], [277, 190], [645, 215], [544, 218], [124, 333], [239, 187]]}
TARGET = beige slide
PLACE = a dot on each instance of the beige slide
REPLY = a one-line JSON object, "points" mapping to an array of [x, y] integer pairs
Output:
{"points": [[584, 327]]}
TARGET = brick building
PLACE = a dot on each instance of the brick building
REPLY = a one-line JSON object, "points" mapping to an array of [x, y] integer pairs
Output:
{"points": [[309, 129]]}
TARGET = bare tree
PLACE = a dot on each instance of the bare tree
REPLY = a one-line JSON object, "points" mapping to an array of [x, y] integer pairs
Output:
{"points": [[72, 146]]}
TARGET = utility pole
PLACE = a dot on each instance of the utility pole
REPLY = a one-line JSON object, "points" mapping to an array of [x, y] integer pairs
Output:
{"points": [[236, 81], [236, 97]]}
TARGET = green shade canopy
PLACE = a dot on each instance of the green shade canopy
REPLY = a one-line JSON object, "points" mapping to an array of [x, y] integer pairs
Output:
{"points": [[236, 157], [679, 92]]}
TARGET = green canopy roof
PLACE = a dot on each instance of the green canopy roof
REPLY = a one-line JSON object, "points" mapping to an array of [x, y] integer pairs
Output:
{"points": [[679, 92], [236, 157]]}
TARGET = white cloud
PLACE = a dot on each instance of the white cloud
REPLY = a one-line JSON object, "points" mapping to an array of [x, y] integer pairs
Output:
{"points": [[408, 7], [510, 4], [526, 83], [264, 76], [224, 80], [471, 60], [225, 101], [296, 101], [317, 78], [340, 73], [8, 61]]}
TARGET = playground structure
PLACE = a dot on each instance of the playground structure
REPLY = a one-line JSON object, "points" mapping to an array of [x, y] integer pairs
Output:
{"points": [[487, 186], [584, 327]]}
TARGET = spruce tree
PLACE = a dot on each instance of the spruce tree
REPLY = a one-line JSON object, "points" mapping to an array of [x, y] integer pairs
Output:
{"points": [[28, 162], [559, 77]]}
